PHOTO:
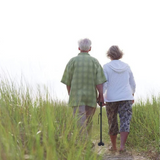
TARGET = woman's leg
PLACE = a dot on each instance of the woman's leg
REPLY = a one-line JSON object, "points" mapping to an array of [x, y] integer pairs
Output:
{"points": [[125, 115], [112, 109], [113, 139], [123, 136]]}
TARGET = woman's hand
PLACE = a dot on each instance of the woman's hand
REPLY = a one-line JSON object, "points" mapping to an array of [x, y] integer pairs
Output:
{"points": [[133, 100]]}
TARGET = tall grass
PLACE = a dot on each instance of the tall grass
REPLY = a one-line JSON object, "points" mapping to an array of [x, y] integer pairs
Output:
{"points": [[145, 125], [34, 126], [38, 128]]}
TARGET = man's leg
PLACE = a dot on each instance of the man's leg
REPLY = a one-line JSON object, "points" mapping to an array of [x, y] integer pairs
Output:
{"points": [[89, 115], [81, 115]]}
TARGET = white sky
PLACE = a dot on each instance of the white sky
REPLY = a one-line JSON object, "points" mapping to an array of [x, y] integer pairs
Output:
{"points": [[37, 38]]}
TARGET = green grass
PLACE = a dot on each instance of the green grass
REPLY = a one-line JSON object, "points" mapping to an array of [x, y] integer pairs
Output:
{"points": [[34, 126], [145, 125]]}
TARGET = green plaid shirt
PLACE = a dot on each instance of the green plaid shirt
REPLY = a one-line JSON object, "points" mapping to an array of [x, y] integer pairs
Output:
{"points": [[83, 73]]}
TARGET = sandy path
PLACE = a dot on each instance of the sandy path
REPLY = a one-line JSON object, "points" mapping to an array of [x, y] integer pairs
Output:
{"points": [[128, 155]]}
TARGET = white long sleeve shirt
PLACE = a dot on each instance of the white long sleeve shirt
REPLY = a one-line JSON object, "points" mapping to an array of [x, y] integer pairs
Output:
{"points": [[120, 83]]}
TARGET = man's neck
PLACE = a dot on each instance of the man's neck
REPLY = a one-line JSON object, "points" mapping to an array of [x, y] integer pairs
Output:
{"points": [[85, 51]]}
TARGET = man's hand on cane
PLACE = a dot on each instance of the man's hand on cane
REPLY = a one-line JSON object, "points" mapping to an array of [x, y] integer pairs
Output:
{"points": [[100, 99]]}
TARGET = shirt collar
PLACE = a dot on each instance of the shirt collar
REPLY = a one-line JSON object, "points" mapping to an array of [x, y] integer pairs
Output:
{"points": [[83, 53]]}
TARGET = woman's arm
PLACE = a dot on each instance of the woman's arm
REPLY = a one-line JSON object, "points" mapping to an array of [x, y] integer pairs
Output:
{"points": [[132, 82]]}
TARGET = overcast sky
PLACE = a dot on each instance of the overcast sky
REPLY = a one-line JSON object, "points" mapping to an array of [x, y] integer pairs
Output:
{"points": [[38, 38]]}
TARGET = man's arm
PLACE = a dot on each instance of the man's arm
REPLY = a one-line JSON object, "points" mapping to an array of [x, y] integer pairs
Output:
{"points": [[68, 89], [100, 90]]}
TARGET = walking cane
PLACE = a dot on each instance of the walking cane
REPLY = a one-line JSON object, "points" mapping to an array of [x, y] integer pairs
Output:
{"points": [[100, 143]]}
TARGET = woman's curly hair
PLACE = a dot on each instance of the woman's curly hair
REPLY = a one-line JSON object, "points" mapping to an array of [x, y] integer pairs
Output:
{"points": [[114, 53]]}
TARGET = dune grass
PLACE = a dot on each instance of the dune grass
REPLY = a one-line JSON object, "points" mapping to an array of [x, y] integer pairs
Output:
{"points": [[34, 126], [145, 125], [38, 127]]}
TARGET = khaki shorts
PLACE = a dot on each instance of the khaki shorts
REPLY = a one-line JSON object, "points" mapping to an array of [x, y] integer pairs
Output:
{"points": [[124, 109], [84, 114]]}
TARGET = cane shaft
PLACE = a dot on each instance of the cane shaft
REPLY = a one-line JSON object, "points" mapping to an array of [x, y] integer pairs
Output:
{"points": [[100, 123], [101, 143]]}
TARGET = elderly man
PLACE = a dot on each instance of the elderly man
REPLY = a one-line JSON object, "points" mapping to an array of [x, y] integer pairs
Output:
{"points": [[83, 76]]}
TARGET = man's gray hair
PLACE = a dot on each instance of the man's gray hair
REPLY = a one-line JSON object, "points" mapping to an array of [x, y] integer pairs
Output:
{"points": [[84, 44]]}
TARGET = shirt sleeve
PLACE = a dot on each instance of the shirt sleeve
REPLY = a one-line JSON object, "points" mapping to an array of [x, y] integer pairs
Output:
{"points": [[67, 75], [132, 82], [100, 79], [106, 83]]}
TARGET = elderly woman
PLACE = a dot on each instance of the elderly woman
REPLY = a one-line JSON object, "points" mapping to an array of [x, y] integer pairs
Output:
{"points": [[83, 76], [118, 95]]}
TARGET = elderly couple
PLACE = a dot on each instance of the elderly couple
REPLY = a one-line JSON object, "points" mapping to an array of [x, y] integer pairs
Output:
{"points": [[83, 76]]}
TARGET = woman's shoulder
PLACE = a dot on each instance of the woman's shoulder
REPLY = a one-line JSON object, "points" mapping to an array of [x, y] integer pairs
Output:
{"points": [[107, 64], [116, 62]]}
